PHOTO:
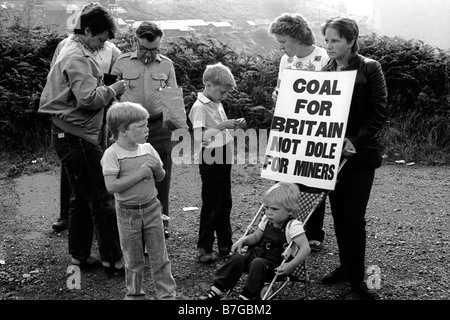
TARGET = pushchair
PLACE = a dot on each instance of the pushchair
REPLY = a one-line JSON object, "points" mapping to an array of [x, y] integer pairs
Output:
{"points": [[309, 201]]}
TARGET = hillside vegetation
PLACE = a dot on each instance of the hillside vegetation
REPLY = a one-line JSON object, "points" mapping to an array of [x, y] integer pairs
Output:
{"points": [[417, 76], [224, 10]]}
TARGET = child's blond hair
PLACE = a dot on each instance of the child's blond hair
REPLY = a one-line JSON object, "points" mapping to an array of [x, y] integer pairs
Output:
{"points": [[283, 194], [121, 114], [218, 74]]}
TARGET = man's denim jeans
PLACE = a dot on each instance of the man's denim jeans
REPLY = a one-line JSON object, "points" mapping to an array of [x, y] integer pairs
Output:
{"points": [[145, 224], [91, 206]]}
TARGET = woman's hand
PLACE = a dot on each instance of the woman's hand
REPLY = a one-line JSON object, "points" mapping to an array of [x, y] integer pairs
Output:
{"points": [[275, 96], [349, 149]]}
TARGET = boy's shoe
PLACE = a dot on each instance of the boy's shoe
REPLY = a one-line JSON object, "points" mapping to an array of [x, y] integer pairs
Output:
{"points": [[87, 264], [361, 290], [315, 245], [211, 295], [335, 276], [205, 257], [224, 253], [60, 225], [118, 268]]}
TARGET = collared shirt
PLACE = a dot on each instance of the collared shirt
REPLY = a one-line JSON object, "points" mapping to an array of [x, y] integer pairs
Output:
{"points": [[208, 114], [143, 81], [74, 93]]}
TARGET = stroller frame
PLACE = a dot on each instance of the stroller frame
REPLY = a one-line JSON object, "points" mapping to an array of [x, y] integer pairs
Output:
{"points": [[308, 204]]}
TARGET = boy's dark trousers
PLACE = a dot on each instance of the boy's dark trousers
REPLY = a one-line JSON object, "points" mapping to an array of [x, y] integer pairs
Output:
{"points": [[259, 270], [217, 201], [258, 262]]}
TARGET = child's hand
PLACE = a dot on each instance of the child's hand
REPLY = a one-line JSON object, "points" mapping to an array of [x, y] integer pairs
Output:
{"points": [[284, 269], [145, 171], [154, 163], [237, 246], [241, 123], [229, 124], [234, 123]]}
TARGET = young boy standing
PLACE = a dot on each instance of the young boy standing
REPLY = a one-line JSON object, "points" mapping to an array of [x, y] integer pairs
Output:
{"points": [[130, 168], [211, 132], [276, 229]]}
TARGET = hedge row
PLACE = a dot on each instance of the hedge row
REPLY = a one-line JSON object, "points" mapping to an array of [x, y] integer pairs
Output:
{"points": [[416, 73]]}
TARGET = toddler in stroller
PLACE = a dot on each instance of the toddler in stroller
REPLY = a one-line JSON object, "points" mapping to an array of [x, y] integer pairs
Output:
{"points": [[263, 259]]}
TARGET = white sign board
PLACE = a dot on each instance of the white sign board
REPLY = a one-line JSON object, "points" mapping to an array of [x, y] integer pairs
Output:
{"points": [[308, 128]]}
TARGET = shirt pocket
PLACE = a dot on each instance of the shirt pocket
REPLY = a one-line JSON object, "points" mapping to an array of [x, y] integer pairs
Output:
{"points": [[159, 80], [132, 80]]}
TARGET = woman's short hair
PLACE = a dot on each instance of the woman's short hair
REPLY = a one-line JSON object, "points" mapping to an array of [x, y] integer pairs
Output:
{"points": [[295, 26], [283, 194], [218, 74], [346, 27], [122, 114], [97, 18]]}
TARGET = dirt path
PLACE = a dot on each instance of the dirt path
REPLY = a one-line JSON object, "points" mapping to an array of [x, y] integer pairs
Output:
{"points": [[408, 232]]}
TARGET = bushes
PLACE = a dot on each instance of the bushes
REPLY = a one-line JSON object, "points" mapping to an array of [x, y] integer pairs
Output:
{"points": [[25, 56], [417, 76]]}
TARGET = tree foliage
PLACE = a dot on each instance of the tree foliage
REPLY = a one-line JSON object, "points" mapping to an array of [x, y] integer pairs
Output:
{"points": [[417, 76]]}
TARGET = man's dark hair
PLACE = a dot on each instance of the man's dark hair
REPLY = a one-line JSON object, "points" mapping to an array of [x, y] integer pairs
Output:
{"points": [[98, 19], [149, 31]]}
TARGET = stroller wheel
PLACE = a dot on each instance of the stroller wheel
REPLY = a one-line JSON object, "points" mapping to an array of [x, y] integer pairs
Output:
{"points": [[265, 289]]}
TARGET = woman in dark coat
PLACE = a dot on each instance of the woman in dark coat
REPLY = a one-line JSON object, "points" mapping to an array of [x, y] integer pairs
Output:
{"points": [[362, 144]]}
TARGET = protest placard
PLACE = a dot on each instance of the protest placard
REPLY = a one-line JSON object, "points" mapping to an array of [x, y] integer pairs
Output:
{"points": [[308, 127]]}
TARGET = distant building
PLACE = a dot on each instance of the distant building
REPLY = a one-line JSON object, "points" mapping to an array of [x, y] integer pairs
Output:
{"points": [[182, 28], [249, 25], [262, 23], [254, 24], [220, 27], [62, 14], [122, 25]]}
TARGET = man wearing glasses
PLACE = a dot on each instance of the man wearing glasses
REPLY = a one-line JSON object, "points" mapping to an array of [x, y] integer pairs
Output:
{"points": [[145, 71]]}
